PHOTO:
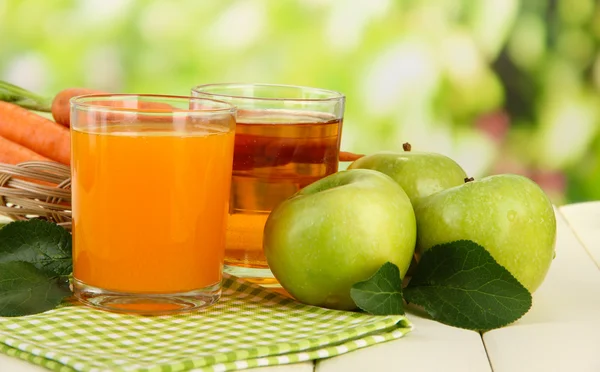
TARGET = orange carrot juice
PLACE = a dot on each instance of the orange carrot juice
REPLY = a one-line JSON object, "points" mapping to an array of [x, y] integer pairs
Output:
{"points": [[150, 207]]}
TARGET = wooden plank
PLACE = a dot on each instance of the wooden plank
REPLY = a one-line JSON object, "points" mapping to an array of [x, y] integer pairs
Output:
{"points": [[584, 220], [558, 346], [431, 346], [298, 367], [12, 364], [560, 332]]}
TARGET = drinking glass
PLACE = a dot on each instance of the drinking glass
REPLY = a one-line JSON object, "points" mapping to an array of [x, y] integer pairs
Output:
{"points": [[151, 179], [286, 138]]}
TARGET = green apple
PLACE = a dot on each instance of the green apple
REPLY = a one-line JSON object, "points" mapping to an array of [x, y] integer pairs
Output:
{"points": [[507, 214], [338, 231], [419, 173]]}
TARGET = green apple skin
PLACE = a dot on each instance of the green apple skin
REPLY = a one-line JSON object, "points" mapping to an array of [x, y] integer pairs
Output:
{"points": [[336, 232], [419, 173], [507, 214]]}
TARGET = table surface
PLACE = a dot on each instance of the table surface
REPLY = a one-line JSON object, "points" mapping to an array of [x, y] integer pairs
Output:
{"points": [[561, 332]]}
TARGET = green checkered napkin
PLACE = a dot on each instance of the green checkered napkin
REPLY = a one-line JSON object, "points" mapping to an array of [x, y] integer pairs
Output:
{"points": [[249, 327]]}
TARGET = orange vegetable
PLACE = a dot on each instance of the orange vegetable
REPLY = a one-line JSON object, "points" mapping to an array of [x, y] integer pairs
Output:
{"points": [[349, 156], [13, 153], [35, 132], [61, 109]]}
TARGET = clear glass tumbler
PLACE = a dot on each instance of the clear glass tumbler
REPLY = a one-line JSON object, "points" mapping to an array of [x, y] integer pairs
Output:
{"points": [[151, 182], [286, 138]]}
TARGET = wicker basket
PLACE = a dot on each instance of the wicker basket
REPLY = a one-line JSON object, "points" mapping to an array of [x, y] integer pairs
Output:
{"points": [[36, 189]]}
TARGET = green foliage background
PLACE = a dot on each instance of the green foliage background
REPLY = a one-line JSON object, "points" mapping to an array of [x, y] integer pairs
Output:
{"points": [[499, 85]]}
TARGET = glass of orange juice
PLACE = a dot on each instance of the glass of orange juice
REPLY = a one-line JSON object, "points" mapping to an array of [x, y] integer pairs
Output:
{"points": [[286, 138], [151, 179]]}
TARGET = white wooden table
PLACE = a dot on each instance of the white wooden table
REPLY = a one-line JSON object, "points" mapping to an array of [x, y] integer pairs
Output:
{"points": [[560, 333]]}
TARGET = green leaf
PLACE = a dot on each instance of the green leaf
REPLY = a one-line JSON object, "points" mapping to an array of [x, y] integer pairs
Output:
{"points": [[44, 244], [460, 284], [24, 98], [381, 294], [26, 290]]}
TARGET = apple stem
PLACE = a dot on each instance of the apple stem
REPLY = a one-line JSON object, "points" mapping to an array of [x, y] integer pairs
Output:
{"points": [[406, 146], [469, 179]]}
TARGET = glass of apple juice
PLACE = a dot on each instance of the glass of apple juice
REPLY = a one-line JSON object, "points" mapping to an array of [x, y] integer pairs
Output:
{"points": [[286, 138], [151, 179]]}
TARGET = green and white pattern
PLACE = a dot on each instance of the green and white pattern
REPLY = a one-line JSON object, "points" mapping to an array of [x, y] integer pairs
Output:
{"points": [[248, 327]]}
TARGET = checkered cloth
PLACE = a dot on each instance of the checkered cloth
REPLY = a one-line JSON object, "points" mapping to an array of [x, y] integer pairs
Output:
{"points": [[248, 327]]}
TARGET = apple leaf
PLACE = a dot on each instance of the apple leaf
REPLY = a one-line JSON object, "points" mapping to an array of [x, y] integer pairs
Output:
{"points": [[44, 244], [460, 284], [35, 261], [26, 289], [381, 294]]}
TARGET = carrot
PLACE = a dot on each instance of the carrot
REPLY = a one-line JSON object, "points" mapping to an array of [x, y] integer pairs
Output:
{"points": [[35, 132], [13, 153], [61, 106], [61, 109], [349, 156]]}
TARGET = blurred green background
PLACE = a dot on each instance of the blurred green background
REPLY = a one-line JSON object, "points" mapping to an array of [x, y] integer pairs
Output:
{"points": [[498, 85]]}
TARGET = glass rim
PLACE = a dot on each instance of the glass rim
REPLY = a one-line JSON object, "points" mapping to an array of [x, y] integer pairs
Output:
{"points": [[82, 102], [333, 95]]}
